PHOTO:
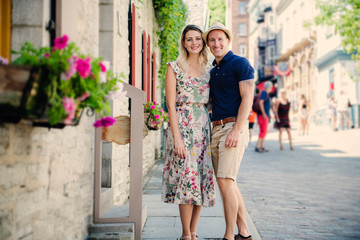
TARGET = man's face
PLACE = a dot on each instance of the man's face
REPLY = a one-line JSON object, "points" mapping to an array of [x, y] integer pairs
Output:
{"points": [[218, 43]]}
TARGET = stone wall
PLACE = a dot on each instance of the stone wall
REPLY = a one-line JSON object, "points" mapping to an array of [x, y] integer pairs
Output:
{"points": [[198, 13], [46, 176]]}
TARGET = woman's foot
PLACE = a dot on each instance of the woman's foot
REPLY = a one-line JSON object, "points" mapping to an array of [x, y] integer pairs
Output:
{"points": [[194, 236], [258, 150], [185, 237], [281, 147], [292, 148]]}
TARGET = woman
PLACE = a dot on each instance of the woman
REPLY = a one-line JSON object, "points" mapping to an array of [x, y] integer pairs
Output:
{"points": [[264, 116], [188, 176], [304, 115], [282, 107], [333, 115]]}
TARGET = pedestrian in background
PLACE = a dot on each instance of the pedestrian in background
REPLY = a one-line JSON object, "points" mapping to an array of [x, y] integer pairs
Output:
{"points": [[252, 117], [231, 90], [188, 175], [264, 117], [304, 115], [343, 110], [332, 107], [282, 107]]}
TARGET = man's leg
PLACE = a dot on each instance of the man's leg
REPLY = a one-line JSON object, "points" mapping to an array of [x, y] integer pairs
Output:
{"points": [[241, 217], [230, 201]]}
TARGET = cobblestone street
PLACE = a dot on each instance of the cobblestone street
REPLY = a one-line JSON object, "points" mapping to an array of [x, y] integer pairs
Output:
{"points": [[310, 193]]}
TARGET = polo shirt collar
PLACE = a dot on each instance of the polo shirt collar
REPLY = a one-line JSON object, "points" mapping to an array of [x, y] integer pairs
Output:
{"points": [[226, 58]]}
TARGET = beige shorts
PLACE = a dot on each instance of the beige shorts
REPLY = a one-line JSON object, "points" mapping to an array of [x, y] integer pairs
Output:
{"points": [[226, 160]]}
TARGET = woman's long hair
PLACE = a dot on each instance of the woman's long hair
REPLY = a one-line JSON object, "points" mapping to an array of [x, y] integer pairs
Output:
{"points": [[182, 59]]}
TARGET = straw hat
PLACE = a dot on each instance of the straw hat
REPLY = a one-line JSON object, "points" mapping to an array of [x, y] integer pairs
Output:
{"points": [[216, 26]]}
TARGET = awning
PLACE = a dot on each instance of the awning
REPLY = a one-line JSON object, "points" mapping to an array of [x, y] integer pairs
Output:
{"points": [[296, 48]]}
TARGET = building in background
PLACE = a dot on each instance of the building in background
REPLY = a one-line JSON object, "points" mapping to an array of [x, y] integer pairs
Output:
{"points": [[240, 27], [198, 13], [295, 50], [334, 72]]}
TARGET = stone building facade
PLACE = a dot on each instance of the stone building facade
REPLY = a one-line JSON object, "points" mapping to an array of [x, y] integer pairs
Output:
{"points": [[47, 176], [198, 13], [240, 27]]}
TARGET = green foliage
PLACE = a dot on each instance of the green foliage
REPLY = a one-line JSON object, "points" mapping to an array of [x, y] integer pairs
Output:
{"points": [[217, 11], [171, 16], [344, 15]]}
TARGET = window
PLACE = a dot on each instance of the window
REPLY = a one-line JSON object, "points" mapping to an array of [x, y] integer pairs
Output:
{"points": [[242, 50], [242, 29], [242, 7]]}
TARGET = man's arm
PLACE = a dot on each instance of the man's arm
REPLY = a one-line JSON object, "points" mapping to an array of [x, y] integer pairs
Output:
{"points": [[246, 89]]}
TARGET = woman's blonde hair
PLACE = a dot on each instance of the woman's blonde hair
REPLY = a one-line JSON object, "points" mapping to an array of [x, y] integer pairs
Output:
{"points": [[182, 59]]}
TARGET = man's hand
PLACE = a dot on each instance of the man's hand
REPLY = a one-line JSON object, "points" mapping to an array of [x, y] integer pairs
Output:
{"points": [[232, 138]]}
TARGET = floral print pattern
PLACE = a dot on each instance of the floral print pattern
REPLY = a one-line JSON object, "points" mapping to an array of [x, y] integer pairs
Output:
{"points": [[190, 180]]}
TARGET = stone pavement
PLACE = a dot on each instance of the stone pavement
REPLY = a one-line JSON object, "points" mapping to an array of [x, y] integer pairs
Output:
{"points": [[310, 193], [163, 221]]}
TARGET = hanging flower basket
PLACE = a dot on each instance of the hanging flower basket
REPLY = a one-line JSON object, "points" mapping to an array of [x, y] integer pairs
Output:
{"points": [[60, 83], [154, 116]]}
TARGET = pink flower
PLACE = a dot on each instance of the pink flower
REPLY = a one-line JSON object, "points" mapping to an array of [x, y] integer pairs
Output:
{"points": [[69, 106], [161, 110], [103, 67], [105, 122], [60, 43], [83, 67], [152, 107], [3, 61], [155, 122], [155, 103], [84, 96], [47, 55], [72, 69]]}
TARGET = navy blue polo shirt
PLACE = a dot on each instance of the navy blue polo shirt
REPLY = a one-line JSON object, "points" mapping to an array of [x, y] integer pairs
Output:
{"points": [[224, 85]]}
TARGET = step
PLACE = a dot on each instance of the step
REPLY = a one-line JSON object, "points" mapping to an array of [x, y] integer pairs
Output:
{"points": [[112, 231]]}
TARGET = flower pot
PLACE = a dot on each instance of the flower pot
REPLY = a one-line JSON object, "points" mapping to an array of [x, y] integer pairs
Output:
{"points": [[149, 121], [44, 121]]}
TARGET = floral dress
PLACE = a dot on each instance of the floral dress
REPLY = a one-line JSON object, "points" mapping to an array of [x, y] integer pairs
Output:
{"points": [[190, 180]]}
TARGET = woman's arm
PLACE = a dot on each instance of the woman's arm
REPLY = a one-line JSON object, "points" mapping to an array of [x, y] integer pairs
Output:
{"points": [[170, 90]]}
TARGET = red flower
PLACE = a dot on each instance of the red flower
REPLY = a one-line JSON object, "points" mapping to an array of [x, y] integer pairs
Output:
{"points": [[83, 67], [61, 42]]}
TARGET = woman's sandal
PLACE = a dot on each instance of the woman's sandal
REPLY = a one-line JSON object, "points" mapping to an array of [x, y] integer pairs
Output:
{"points": [[194, 233], [185, 237]]}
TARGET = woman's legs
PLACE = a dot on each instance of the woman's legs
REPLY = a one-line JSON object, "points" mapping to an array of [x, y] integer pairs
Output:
{"points": [[280, 133], [290, 139], [195, 220], [186, 211]]}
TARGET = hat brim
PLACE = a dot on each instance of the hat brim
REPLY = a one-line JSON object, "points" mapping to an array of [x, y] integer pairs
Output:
{"points": [[227, 32]]}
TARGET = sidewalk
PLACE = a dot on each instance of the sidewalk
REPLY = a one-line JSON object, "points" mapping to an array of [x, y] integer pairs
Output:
{"points": [[163, 221]]}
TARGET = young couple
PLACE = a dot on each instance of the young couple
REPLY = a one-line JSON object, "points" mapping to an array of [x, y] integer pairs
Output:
{"points": [[190, 158]]}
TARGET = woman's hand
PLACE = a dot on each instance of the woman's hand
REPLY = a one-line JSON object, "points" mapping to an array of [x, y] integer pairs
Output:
{"points": [[179, 149], [277, 119]]}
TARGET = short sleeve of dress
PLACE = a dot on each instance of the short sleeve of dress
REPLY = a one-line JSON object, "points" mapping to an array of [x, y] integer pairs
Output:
{"points": [[243, 69], [175, 67]]}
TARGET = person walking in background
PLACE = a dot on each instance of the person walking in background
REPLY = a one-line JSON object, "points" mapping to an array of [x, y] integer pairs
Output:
{"points": [[343, 110], [304, 115], [252, 117], [231, 90], [264, 116], [282, 107], [332, 107], [188, 175]]}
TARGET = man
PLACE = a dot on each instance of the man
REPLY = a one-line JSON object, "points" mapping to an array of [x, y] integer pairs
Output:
{"points": [[231, 91]]}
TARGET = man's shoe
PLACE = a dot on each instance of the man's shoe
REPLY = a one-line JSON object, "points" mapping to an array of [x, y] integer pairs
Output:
{"points": [[258, 150]]}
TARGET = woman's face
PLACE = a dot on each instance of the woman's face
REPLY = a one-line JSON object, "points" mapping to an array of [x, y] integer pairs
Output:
{"points": [[283, 94], [193, 42]]}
